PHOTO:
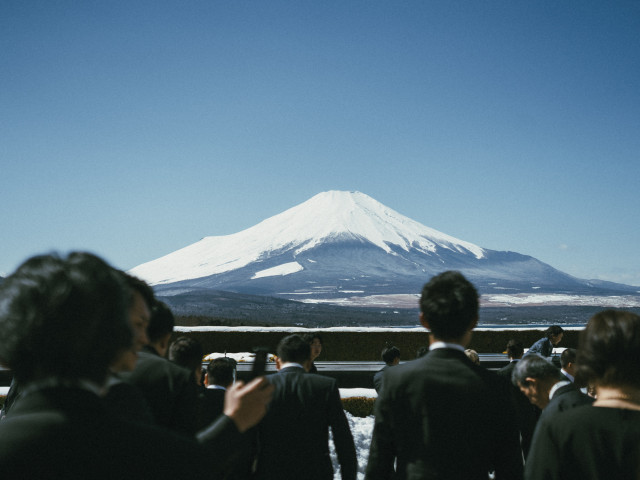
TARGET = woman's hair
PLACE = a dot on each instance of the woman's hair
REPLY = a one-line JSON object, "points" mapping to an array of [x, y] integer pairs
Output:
{"points": [[310, 337], [63, 317], [609, 352]]}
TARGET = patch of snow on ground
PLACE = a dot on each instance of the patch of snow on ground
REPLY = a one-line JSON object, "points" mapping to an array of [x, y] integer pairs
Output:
{"points": [[282, 270], [361, 429], [620, 301]]}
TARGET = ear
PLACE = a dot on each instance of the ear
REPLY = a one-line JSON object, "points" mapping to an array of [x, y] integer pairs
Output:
{"points": [[424, 322]]}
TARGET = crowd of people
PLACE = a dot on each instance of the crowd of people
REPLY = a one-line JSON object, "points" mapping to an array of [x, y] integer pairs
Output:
{"points": [[100, 392]]}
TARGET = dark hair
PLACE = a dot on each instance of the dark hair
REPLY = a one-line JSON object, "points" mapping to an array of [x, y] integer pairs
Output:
{"points": [[161, 322], [186, 352], [140, 286], [390, 353], [568, 356], [63, 317], [553, 331], [310, 337], [609, 351], [293, 348], [536, 367], [220, 371], [515, 349], [449, 302]]}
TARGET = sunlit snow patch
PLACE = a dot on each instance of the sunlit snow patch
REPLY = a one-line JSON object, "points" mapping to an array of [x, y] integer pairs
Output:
{"points": [[284, 269]]}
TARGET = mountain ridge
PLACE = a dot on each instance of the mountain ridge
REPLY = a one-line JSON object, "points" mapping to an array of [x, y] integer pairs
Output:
{"points": [[346, 243]]}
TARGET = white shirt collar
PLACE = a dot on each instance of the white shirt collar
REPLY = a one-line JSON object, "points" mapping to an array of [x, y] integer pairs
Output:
{"points": [[568, 375], [215, 387], [439, 344], [558, 385], [291, 364]]}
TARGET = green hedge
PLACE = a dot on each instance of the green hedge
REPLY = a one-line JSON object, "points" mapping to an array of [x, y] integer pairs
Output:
{"points": [[365, 346], [359, 406]]}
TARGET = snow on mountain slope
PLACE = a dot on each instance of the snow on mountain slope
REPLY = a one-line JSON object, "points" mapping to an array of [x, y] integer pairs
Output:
{"points": [[326, 217]]}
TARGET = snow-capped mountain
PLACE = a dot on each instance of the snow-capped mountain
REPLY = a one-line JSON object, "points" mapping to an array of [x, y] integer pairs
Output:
{"points": [[339, 244]]}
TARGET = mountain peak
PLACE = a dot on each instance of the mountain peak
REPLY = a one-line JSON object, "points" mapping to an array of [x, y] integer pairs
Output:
{"points": [[326, 217]]}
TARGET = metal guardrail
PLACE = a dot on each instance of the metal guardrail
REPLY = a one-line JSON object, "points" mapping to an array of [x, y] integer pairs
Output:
{"points": [[348, 374]]}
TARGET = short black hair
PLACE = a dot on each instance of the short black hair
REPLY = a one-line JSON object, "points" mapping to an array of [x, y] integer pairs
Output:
{"points": [[553, 331], [609, 349], [63, 317], [161, 322], [568, 356], [293, 348], [186, 352], [449, 302], [534, 366], [390, 353], [515, 348], [220, 371]]}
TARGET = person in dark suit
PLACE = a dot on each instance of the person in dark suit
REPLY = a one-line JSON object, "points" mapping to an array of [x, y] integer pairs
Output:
{"points": [[546, 387], [169, 389], [599, 440], [293, 437], [187, 352], [527, 414], [391, 358], [568, 364], [441, 416], [219, 377], [64, 320]]}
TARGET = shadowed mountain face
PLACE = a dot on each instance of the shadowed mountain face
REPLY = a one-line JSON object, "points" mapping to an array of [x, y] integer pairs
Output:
{"points": [[341, 244]]}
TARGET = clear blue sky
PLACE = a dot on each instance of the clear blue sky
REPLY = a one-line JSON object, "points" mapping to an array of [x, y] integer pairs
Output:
{"points": [[134, 128]]}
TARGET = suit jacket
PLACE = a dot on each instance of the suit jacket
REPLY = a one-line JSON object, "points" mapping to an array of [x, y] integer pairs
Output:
{"points": [[586, 443], [377, 379], [565, 398], [527, 414], [67, 433], [443, 417], [210, 405], [126, 400], [293, 437], [169, 390]]}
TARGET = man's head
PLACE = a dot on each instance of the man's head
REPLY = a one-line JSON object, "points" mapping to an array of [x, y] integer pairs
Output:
{"points": [[63, 318], [160, 327], [515, 349], [391, 355], [568, 361], [220, 371], [554, 333], [535, 376], [293, 348], [187, 352], [449, 306]]}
